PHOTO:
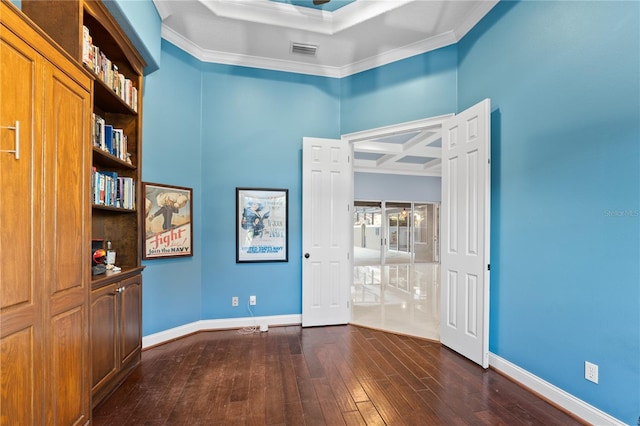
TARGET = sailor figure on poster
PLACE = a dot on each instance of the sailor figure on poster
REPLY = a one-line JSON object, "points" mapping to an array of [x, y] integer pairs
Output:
{"points": [[253, 216]]}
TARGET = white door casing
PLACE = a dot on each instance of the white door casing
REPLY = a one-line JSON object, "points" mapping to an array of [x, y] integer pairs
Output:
{"points": [[326, 231], [464, 238]]}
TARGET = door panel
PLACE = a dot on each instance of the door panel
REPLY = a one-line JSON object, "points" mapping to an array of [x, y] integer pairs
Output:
{"points": [[21, 357], [326, 239], [17, 354], [464, 325], [131, 321], [66, 150], [68, 376]]}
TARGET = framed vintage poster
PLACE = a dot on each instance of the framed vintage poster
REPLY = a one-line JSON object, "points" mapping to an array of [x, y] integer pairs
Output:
{"points": [[168, 230], [262, 225]]}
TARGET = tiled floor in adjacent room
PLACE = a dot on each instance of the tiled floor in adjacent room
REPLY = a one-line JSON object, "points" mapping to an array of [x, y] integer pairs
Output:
{"points": [[399, 298]]}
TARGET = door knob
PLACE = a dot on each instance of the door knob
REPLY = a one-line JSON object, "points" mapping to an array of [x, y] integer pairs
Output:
{"points": [[306, 255]]}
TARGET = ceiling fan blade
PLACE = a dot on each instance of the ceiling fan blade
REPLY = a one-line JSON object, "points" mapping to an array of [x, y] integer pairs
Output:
{"points": [[319, 2]]}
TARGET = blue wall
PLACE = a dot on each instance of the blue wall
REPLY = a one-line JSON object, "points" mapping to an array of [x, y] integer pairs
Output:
{"points": [[140, 20], [254, 122], [564, 80], [172, 155], [411, 89]]}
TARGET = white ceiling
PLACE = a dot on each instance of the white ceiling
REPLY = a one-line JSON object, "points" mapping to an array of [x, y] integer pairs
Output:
{"points": [[361, 35]]}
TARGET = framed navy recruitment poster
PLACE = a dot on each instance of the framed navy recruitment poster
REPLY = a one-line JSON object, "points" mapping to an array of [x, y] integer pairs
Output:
{"points": [[168, 230], [262, 225]]}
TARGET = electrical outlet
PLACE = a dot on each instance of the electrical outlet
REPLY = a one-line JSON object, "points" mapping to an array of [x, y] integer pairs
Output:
{"points": [[591, 372], [234, 301], [252, 300]]}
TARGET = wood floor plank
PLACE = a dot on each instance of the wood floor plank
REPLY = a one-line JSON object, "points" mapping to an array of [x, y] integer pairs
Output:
{"points": [[399, 363], [200, 389], [397, 348], [353, 418], [384, 406], [274, 392], [312, 413], [317, 376], [349, 377], [288, 377], [370, 413], [334, 381], [293, 413], [257, 410]]}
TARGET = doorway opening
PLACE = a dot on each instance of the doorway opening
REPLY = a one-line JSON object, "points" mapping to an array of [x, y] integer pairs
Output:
{"points": [[396, 275], [396, 232], [457, 148]]}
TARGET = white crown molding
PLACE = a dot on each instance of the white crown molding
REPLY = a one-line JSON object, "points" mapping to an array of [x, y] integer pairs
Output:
{"points": [[219, 324], [245, 60], [563, 399], [385, 58], [404, 52]]}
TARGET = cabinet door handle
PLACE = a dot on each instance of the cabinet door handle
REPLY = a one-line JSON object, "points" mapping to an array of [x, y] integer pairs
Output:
{"points": [[17, 138]]}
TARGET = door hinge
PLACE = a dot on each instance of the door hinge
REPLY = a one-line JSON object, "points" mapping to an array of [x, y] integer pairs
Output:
{"points": [[489, 267]]}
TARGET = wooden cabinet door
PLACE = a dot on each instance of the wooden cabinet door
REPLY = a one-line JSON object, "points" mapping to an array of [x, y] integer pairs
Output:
{"points": [[104, 335], [131, 317], [21, 253], [66, 133]]}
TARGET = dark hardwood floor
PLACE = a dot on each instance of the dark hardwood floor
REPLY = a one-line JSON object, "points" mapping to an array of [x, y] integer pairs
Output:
{"points": [[317, 376]]}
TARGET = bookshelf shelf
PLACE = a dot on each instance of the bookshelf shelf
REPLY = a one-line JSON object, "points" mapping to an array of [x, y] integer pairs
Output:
{"points": [[102, 280], [105, 159], [112, 209], [109, 100]]}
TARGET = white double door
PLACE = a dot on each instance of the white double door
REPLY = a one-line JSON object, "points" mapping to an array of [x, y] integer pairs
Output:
{"points": [[327, 270]]}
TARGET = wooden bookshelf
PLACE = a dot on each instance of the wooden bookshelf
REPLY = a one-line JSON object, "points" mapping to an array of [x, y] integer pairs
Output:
{"points": [[115, 299], [64, 22]]}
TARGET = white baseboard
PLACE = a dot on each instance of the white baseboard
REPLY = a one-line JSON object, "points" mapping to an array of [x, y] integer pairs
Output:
{"points": [[554, 394], [218, 324]]}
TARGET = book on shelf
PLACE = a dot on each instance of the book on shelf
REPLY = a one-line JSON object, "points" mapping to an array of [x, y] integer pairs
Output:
{"points": [[111, 190], [107, 71], [108, 138], [87, 42], [98, 131], [119, 144]]}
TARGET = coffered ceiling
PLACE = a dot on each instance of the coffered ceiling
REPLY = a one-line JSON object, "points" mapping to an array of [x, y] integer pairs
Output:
{"points": [[345, 37], [412, 148]]}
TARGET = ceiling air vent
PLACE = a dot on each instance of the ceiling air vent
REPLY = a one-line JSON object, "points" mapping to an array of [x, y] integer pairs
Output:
{"points": [[304, 49]]}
